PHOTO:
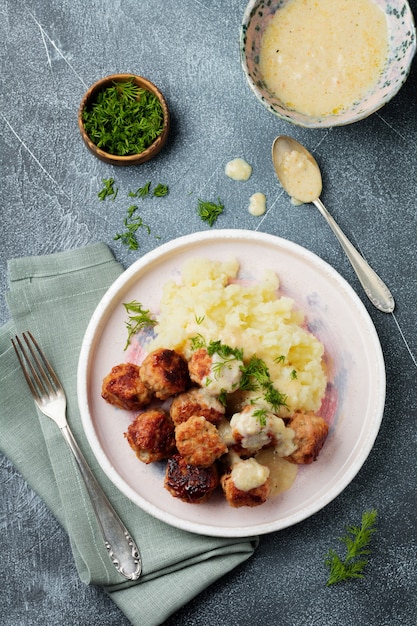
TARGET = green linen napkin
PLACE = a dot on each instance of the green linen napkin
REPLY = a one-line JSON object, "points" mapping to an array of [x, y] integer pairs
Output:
{"points": [[54, 297]]}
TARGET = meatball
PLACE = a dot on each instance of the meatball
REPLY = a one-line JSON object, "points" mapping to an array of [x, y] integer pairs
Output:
{"points": [[188, 482], [124, 388], [196, 402], [152, 436], [255, 428], [216, 374], [199, 441], [165, 373], [310, 432], [247, 484]]}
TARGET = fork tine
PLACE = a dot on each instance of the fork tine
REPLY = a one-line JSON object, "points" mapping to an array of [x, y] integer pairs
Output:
{"points": [[40, 377], [34, 390], [51, 371]]}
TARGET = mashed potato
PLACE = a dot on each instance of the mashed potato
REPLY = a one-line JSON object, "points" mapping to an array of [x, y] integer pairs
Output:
{"points": [[212, 302]]}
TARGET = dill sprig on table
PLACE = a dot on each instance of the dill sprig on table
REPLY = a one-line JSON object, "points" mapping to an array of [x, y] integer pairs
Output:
{"points": [[209, 211], [161, 190], [132, 223], [356, 540], [124, 119], [108, 189]]}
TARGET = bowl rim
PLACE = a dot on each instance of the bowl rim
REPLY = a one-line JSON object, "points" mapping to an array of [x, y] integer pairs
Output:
{"points": [[131, 159]]}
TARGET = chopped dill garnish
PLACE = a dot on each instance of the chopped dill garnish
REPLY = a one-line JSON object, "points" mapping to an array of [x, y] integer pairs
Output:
{"points": [[132, 224], [199, 319], [142, 192], [274, 397], [139, 318], [255, 376], [197, 342], [279, 359], [161, 190], [260, 415], [356, 540], [293, 374], [209, 211], [224, 351], [124, 119], [108, 189], [223, 397]]}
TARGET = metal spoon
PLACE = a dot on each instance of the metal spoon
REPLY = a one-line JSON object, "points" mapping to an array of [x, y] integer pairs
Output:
{"points": [[299, 174]]}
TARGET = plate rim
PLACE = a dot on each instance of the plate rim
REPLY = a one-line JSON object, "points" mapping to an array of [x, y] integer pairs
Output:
{"points": [[97, 322]]}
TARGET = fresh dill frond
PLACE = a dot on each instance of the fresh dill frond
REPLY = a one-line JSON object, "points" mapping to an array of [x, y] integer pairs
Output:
{"points": [[139, 318], [132, 223], [256, 376], [224, 351], [260, 415], [142, 192], [108, 189], [209, 211], [197, 342], [161, 190], [223, 397], [274, 397], [356, 541]]}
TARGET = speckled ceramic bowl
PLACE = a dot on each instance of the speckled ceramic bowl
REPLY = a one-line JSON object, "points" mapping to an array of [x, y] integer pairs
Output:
{"points": [[402, 47]]}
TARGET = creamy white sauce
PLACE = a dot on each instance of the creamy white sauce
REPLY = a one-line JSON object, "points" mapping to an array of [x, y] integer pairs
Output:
{"points": [[282, 473], [255, 434], [225, 432], [257, 204], [299, 176], [320, 57], [249, 474], [238, 169], [224, 375]]}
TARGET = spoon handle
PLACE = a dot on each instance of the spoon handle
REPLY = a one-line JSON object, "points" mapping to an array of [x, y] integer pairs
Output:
{"points": [[374, 287]]}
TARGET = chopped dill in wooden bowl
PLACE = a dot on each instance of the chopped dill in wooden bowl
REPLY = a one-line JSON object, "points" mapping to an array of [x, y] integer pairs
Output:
{"points": [[124, 119]]}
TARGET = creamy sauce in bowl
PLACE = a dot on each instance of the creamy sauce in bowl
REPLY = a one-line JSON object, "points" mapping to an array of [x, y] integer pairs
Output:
{"points": [[319, 58]]}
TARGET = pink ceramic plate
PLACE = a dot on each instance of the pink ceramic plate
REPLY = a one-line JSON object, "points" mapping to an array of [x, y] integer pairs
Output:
{"points": [[353, 405]]}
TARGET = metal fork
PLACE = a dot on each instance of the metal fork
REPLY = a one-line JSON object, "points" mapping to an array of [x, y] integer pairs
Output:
{"points": [[50, 398]]}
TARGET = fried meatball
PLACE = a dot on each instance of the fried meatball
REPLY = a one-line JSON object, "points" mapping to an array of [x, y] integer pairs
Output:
{"points": [[124, 388], [188, 482], [245, 474], [310, 434], [196, 402], [165, 373], [216, 374], [255, 428], [199, 441], [152, 436]]}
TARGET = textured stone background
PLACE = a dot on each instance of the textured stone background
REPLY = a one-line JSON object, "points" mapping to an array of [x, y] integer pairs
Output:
{"points": [[50, 53]]}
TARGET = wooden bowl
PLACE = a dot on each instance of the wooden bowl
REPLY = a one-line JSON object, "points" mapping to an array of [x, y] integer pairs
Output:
{"points": [[131, 159]]}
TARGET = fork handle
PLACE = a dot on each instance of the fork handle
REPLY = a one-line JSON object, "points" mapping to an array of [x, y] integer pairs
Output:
{"points": [[121, 547]]}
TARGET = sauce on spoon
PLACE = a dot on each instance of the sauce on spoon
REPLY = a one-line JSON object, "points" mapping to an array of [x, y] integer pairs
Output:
{"points": [[297, 170], [299, 174]]}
